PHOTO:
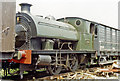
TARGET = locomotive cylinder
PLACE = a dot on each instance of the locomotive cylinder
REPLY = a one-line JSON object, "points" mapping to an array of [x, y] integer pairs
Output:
{"points": [[44, 60]]}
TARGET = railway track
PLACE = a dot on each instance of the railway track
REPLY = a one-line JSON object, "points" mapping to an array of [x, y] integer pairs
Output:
{"points": [[84, 74], [109, 71]]}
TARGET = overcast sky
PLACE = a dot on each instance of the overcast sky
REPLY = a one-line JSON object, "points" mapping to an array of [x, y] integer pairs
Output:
{"points": [[101, 11]]}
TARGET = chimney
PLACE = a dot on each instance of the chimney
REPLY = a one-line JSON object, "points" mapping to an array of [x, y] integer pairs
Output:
{"points": [[25, 7]]}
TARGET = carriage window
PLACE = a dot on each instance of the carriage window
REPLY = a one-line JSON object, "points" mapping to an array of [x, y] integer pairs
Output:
{"points": [[92, 28]]}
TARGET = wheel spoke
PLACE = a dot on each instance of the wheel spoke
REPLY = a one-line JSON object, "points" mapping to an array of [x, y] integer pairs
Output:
{"points": [[53, 70], [73, 64]]}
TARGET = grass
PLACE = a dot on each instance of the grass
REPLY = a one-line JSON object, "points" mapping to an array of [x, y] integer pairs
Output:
{"points": [[17, 69], [1, 72]]}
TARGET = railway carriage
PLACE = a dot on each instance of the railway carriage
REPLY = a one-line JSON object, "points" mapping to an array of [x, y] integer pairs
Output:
{"points": [[68, 43]]}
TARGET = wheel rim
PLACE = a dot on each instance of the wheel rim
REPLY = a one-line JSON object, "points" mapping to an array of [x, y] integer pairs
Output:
{"points": [[53, 70], [73, 64]]}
